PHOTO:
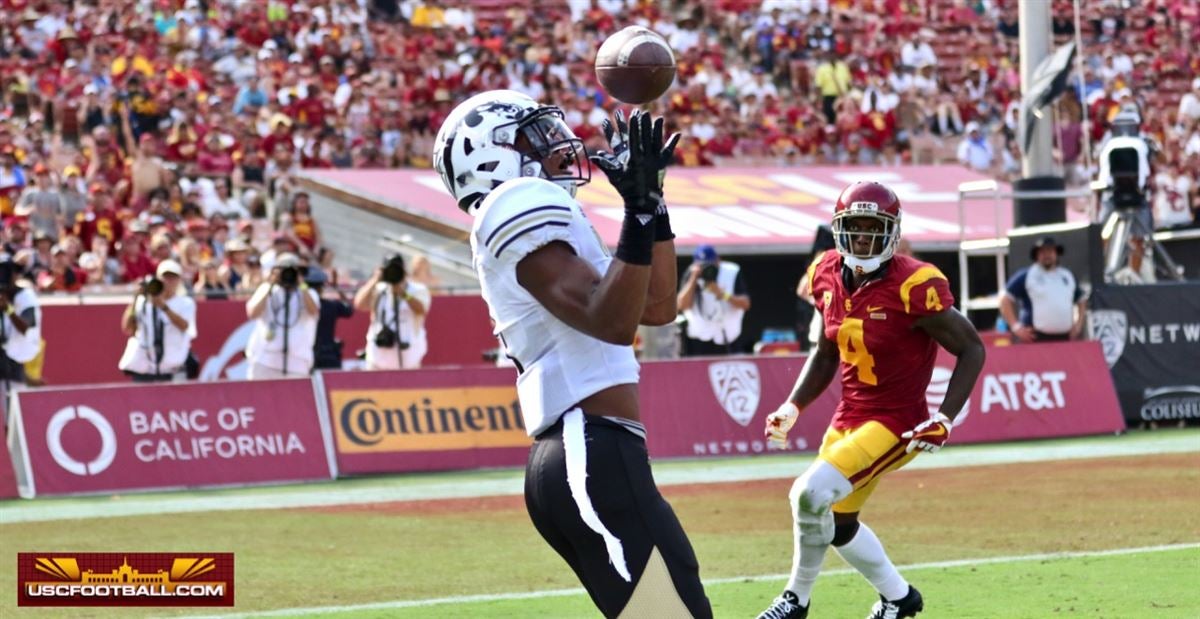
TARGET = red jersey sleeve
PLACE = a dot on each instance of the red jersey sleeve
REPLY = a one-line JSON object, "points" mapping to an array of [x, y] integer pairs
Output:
{"points": [[925, 291], [819, 273]]}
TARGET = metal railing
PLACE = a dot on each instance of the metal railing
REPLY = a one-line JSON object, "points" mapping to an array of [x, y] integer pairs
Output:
{"points": [[997, 246]]}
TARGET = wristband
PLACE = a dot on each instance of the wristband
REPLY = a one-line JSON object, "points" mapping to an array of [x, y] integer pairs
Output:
{"points": [[662, 226], [726, 296], [636, 245], [10, 310]]}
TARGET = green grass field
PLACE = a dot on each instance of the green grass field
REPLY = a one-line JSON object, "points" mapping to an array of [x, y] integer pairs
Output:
{"points": [[1005, 527]]}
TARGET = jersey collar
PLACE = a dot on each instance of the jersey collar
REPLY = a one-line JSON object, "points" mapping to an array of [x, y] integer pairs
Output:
{"points": [[848, 275]]}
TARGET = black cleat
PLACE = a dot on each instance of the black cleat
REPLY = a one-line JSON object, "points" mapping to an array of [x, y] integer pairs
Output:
{"points": [[786, 606], [907, 606]]}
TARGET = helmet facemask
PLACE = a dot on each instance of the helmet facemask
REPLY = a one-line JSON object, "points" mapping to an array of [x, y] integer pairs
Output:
{"points": [[865, 238], [548, 149]]}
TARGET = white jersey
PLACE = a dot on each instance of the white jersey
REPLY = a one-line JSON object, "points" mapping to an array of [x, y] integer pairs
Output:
{"points": [[557, 365]]}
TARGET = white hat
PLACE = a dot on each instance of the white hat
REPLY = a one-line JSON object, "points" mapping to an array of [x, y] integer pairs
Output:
{"points": [[90, 89], [972, 126], [265, 53], [169, 266]]}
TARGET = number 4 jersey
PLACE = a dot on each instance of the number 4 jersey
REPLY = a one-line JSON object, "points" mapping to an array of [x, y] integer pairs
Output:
{"points": [[557, 365], [886, 359]]}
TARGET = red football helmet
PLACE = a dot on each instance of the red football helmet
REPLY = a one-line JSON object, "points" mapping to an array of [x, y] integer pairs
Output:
{"points": [[867, 199]]}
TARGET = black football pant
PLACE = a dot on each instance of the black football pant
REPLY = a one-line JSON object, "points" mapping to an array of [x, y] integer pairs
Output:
{"points": [[641, 562]]}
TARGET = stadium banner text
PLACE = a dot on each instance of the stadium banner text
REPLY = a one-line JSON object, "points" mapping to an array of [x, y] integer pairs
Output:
{"points": [[1030, 391], [124, 579], [1151, 340], [117, 438], [416, 420]]}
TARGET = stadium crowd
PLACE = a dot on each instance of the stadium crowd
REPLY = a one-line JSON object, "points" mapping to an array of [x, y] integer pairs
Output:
{"points": [[132, 131]]}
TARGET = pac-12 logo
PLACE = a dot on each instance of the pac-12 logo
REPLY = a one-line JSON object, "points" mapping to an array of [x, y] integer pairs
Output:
{"points": [[1110, 327], [737, 387]]}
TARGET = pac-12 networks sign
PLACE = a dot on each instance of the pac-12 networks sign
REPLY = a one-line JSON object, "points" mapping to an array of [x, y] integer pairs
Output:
{"points": [[164, 436]]}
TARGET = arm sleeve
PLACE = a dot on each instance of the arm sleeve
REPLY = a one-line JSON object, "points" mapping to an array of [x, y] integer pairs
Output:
{"points": [[422, 294], [524, 218], [926, 292], [739, 285], [1016, 286], [186, 308]]}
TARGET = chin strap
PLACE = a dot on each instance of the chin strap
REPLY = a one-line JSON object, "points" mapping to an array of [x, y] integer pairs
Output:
{"points": [[863, 265]]}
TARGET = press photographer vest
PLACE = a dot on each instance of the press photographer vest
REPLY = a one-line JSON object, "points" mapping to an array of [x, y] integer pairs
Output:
{"points": [[709, 318]]}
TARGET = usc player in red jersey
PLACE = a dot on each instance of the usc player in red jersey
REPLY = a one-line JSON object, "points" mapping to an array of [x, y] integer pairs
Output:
{"points": [[884, 316]]}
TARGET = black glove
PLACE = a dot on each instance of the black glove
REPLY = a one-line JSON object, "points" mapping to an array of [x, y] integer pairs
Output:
{"points": [[618, 138], [639, 179]]}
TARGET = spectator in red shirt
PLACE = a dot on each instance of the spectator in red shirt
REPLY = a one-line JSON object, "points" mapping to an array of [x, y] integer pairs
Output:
{"points": [[214, 160], [182, 142], [134, 259], [281, 134], [62, 275], [98, 217], [309, 110]]}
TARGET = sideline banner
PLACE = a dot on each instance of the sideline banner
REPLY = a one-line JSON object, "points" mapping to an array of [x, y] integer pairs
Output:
{"points": [[1030, 391], [422, 420], [1151, 340], [467, 418], [8, 476], [109, 439]]}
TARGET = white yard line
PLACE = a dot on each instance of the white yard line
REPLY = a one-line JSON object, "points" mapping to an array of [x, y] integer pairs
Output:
{"points": [[666, 473], [496, 597]]}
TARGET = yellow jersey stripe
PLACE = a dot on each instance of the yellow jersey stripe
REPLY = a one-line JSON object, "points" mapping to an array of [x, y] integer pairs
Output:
{"points": [[920, 276]]}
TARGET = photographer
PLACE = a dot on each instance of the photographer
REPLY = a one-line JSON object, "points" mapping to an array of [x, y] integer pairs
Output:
{"points": [[714, 300], [20, 325], [286, 310], [327, 349], [396, 337], [160, 323]]}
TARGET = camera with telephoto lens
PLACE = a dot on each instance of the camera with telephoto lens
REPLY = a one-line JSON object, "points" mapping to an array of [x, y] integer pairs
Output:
{"points": [[289, 277], [709, 273], [151, 286], [393, 269]]}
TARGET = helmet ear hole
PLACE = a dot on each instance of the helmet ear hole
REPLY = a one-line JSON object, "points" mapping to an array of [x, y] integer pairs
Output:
{"points": [[468, 148], [487, 166]]}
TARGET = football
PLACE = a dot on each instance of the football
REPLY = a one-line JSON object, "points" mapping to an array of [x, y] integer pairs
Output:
{"points": [[635, 65]]}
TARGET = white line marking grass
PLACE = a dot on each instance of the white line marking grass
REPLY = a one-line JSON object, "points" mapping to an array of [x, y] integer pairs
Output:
{"points": [[495, 597]]}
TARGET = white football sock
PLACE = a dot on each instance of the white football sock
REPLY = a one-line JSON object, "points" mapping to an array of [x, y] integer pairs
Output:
{"points": [[866, 554], [806, 565]]}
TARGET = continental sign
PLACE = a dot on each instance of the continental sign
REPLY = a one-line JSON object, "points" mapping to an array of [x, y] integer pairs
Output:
{"points": [[401, 420], [124, 579]]}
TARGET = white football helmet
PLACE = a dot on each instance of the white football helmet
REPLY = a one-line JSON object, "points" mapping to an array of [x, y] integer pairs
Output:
{"points": [[500, 135]]}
